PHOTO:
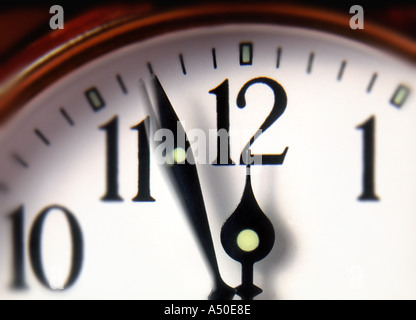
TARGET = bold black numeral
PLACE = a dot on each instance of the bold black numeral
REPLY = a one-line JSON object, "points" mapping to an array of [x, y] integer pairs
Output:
{"points": [[111, 129], [35, 253], [35, 246], [18, 249], [112, 137], [143, 193], [223, 124], [280, 101], [368, 193]]}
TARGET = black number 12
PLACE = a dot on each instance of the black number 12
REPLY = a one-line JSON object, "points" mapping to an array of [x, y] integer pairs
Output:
{"points": [[223, 121]]}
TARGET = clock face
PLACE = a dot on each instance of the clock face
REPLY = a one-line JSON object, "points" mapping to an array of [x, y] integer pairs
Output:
{"points": [[325, 210]]}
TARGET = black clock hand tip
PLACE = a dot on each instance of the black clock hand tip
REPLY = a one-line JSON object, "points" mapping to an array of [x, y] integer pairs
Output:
{"points": [[184, 177]]}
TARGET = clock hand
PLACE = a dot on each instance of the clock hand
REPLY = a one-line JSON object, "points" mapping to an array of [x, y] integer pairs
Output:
{"points": [[185, 178], [248, 236]]}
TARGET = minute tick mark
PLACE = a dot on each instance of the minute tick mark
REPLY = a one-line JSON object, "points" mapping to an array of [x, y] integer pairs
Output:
{"points": [[66, 116], [310, 62], [182, 63], [341, 70], [372, 81], [150, 68], [20, 160], [214, 58], [279, 54], [121, 84], [42, 137]]}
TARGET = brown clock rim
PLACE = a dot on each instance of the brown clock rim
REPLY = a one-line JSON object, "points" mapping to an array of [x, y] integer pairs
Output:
{"points": [[101, 31]]}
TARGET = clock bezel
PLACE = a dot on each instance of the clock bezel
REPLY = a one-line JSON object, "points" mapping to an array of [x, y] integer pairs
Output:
{"points": [[101, 31]]}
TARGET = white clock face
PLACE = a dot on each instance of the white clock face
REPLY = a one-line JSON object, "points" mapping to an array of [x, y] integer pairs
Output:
{"points": [[76, 217]]}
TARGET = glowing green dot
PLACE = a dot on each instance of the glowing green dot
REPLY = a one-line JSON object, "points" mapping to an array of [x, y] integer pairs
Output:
{"points": [[248, 240], [179, 155]]}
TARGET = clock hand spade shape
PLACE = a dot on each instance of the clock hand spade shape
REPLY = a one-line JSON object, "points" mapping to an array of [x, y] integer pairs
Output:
{"points": [[185, 179], [248, 236]]}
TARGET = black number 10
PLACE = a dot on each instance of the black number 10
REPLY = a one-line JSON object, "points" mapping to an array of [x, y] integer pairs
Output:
{"points": [[35, 253]]}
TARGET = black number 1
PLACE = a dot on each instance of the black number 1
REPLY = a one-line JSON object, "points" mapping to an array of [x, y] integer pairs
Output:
{"points": [[223, 124], [143, 193], [368, 128], [18, 249], [111, 129]]}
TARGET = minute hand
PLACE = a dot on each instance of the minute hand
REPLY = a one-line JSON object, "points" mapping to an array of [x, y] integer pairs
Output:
{"points": [[185, 178]]}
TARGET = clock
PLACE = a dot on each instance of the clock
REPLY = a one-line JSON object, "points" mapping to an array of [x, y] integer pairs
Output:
{"points": [[250, 151]]}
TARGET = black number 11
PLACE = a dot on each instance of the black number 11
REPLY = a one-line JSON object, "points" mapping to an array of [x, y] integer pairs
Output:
{"points": [[143, 155]]}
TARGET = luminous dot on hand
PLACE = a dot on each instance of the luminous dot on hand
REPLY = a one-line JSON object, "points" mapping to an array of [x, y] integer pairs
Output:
{"points": [[177, 156], [248, 240]]}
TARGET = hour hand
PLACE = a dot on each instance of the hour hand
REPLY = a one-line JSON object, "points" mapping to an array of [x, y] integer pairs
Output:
{"points": [[184, 176]]}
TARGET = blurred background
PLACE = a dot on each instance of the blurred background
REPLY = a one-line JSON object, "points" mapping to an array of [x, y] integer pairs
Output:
{"points": [[21, 22]]}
